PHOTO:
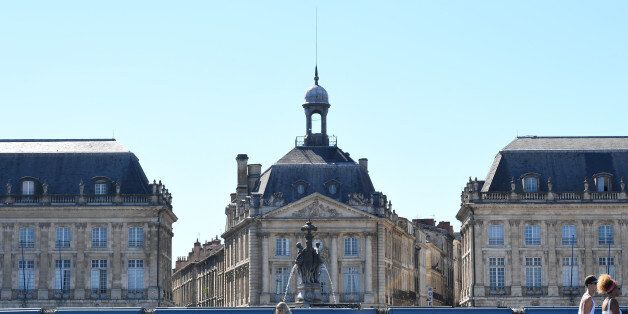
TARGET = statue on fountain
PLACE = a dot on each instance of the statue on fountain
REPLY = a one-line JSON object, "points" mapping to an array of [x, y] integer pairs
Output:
{"points": [[308, 264]]}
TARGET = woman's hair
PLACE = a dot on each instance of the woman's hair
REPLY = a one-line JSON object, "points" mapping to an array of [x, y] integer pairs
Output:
{"points": [[605, 284], [282, 308]]}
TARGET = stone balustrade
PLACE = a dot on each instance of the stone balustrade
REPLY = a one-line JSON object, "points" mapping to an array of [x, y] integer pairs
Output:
{"points": [[541, 197]]}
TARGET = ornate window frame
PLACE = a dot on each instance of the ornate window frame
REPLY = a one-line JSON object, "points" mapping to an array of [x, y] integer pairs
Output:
{"points": [[530, 175], [608, 178]]}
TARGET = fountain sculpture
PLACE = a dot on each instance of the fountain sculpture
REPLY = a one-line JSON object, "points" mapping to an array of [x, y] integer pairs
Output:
{"points": [[308, 264]]}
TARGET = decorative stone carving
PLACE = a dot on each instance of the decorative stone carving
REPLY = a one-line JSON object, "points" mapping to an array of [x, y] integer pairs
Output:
{"points": [[275, 200], [9, 186], [81, 187], [550, 185], [44, 188], [316, 209], [117, 187], [622, 184], [512, 184], [357, 199], [586, 184]]}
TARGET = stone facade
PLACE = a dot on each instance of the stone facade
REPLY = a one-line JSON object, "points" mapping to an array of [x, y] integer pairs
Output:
{"points": [[111, 247], [368, 251], [551, 212], [197, 279], [435, 262]]}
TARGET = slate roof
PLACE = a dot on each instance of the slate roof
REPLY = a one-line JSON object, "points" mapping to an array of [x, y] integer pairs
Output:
{"points": [[567, 160], [62, 164], [316, 166]]}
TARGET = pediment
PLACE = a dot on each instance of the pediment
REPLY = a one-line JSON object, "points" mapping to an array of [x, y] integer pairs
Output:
{"points": [[317, 206]]}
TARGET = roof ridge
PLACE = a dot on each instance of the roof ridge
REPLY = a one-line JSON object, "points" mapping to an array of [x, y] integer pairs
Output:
{"points": [[581, 136]]}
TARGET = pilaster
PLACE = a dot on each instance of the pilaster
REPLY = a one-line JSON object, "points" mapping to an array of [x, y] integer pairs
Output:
{"points": [[515, 245], [254, 265], [368, 297], [44, 260]]}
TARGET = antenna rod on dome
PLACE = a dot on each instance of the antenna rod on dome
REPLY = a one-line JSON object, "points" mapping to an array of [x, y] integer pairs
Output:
{"points": [[316, 50]]}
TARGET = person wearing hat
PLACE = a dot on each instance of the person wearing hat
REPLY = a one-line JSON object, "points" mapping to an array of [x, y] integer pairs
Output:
{"points": [[607, 285], [587, 305]]}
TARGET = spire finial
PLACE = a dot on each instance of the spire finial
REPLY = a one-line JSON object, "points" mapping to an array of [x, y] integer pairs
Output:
{"points": [[316, 75]]}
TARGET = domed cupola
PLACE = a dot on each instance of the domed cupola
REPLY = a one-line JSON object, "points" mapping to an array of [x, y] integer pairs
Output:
{"points": [[316, 94], [316, 102]]}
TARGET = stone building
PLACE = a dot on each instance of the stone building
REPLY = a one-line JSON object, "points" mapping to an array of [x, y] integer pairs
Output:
{"points": [[367, 249], [81, 226], [197, 279], [551, 211], [435, 262]]}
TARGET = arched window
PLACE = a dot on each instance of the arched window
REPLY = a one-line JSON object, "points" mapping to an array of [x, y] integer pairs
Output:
{"points": [[300, 188], [530, 182], [100, 188], [602, 182], [316, 123]]}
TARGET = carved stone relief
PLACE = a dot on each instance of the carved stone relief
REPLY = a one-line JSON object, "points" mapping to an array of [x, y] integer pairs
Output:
{"points": [[316, 209]]}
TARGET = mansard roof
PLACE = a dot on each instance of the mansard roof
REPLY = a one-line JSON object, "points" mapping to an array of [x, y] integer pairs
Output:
{"points": [[567, 160], [62, 164], [316, 167]]}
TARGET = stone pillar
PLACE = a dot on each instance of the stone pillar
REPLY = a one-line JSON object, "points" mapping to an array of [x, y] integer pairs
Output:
{"points": [[623, 249], [515, 262], [265, 295], [7, 271], [151, 259], [254, 276], [588, 238], [334, 264], [81, 269], [480, 263], [381, 266], [117, 265], [552, 265], [368, 272], [44, 260]]}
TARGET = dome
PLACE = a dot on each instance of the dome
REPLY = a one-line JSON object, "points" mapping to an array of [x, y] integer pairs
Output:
{"points": [[316, 95]]}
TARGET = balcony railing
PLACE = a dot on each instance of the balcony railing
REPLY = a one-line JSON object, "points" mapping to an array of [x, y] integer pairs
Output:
{"points": [[536, 197], [62, 294], [135, 294], [570, 290], [534, 291], [497, 291], [351, 297], [99, 294], [21, 294], [84, 200]]}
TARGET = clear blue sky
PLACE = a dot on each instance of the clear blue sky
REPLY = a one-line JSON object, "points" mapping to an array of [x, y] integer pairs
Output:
{"points": [[429, 91]]}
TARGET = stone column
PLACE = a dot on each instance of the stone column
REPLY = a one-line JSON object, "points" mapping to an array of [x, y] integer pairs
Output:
{"points": [[7, 271], [334, 265], [368, 272], [515, 262], [551, 263], [44, 260], [265, 295], [81, 269], [254, 270]]}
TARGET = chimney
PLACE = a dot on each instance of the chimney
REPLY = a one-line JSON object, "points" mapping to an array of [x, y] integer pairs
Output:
{"points": [[242, 188], [424, 221], [364, 163], [445, 225], [255, 170]]}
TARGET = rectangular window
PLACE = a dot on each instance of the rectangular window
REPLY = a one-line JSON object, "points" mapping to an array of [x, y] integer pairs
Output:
{"points": [[496, 235], [532, 235], [63, 237], [351, 246], [530, 184], [607, 262], [27, 237], [136, 237], [282, 247], [136, 274], [282, 274], [62, 274], [99, 237], [496, 272], [100, 188], [26, 275], [605, 235], [569, 235], [570, 272], [28, 187], [99, 276], [533, 271], [351, 280]]}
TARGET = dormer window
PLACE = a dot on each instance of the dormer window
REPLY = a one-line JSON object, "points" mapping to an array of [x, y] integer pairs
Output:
{"points": [[530, 183], [28, 187], [602, 182], [332, 187], [100, 188], [300, 188]]}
